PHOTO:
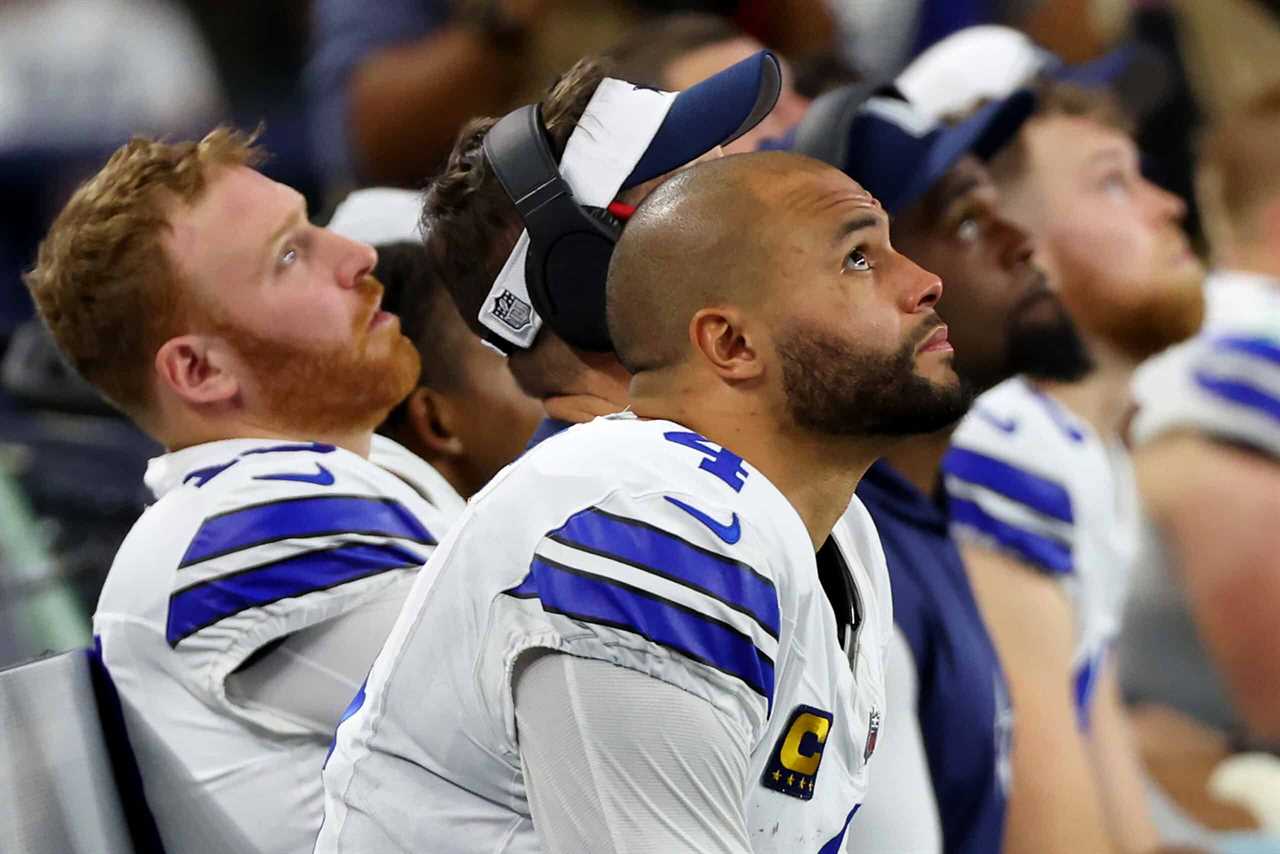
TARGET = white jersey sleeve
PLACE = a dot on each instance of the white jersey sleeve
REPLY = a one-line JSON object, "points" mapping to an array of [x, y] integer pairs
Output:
{"points": [[1225, 384], [1004, 478], [612, 757], [249, 543], [1027, 477], [634, 543]]}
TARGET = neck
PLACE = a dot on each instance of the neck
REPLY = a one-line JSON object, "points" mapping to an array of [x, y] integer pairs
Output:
{"points": [[816, 473], [580, 408], [1261, 260], [1102, 398], [601, 390], [919, 458]]}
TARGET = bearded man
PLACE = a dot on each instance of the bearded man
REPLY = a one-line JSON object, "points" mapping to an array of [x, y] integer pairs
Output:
{"points": [[244, 608]]}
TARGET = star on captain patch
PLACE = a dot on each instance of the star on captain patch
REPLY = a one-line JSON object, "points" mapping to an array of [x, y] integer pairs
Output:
{"points": [[512, 310], [873, 734], [793, 767]]}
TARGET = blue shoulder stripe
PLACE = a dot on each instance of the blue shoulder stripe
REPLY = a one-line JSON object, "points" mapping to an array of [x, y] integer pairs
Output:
{"points": [[1239, 393], [654, 550], [204, 604], [1045, 496], [315, 516], [1260, 348], [1047, 552], [593, 599]]}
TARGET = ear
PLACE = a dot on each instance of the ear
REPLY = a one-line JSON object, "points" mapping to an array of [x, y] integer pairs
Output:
{"points": [[720, 335], [432, 418], [197, 370]]}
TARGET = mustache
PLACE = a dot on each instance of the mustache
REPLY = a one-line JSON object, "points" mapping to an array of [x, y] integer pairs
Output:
{"points": [[928, 326], [370, 292]]}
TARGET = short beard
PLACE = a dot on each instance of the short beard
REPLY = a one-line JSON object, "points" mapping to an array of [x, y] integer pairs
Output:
{"points": [[313, 392], [835, 390], [1045, 350], [1142, 329]]}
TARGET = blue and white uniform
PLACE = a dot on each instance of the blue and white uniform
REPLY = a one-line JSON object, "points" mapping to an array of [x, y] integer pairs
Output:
{"points": [[250, 544], [944, 770], [1027, 477], [625, 542], [1224, 382]]}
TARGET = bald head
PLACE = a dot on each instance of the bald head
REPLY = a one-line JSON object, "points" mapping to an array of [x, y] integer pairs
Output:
{"points": [[717, 233]]}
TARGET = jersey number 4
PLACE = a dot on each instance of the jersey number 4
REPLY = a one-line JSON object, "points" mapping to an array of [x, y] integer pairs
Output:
{"points": [[721, 462]]}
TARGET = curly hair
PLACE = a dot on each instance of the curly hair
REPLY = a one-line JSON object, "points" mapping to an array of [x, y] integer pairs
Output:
{"points": [[470, 225]]}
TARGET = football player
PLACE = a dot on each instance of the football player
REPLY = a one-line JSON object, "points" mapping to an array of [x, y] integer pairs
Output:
{"points": [[243, 610], [469, 214], [1040, 487], [1208, 441], [626, 643], [943, 777]]}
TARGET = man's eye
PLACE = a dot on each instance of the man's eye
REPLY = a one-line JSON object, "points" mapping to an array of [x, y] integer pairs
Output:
{"points": [[1116, 183], [968, 230], [857, 262]]}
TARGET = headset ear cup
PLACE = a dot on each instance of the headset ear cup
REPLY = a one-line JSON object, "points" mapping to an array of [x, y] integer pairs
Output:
{"points": [[567, 279]]}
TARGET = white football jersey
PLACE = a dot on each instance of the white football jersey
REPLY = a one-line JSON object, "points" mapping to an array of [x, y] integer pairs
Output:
{"points": [[1026, 476], [249, 541], [632, 542], [1226, 380]]}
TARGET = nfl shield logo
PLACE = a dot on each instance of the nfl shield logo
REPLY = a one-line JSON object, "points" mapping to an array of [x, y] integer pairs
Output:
{"points": [[512, 310], [873, 733]]}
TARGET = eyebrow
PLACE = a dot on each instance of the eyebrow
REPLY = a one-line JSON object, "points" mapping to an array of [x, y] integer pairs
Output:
{"points": [[1114, 153], [956, 192], [857, 224]]}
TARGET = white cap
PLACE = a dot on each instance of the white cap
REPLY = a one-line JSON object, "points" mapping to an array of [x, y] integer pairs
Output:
{"points": [[976, 64], [379, 215]]}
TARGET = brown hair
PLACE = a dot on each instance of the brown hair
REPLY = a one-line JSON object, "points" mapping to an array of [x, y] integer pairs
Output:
{"points": [[1240, 160], [427, 318], [643, 56], [103, 282], [469, 223]]}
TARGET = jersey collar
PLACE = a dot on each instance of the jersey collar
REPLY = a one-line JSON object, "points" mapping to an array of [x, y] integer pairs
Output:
{"points": [[171, 470], [1233, 297]]}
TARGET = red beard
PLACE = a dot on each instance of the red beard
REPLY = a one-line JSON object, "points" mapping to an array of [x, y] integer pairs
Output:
{"points": [[311, 391]]}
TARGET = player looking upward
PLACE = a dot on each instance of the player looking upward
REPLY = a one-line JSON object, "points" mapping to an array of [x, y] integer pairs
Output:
{"points": [[244, 607], [935, 790], [629, 628]]}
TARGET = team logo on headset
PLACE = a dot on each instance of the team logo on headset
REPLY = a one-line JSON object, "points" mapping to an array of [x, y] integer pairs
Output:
{"points": [[512, 310]]}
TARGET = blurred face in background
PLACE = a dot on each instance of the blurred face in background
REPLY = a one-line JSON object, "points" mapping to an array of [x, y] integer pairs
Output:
{"points": [[1003, 317], [1111, 240], [700, 63]]}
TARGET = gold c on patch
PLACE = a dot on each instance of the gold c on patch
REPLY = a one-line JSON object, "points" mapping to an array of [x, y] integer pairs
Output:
{"points": [[793, 767]]}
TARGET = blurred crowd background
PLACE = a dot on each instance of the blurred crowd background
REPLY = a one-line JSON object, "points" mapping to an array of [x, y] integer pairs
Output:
{"points": [[363, 92]]}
